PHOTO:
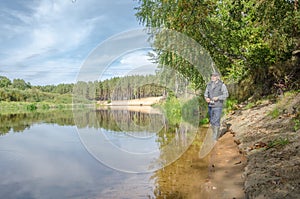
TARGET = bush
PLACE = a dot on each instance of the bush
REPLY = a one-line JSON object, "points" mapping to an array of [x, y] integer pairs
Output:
{"points": [[31, 107], [231, 104], [45, 106]]}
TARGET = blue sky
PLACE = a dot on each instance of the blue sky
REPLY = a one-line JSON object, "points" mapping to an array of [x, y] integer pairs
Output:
{"points": [[48, 41]]}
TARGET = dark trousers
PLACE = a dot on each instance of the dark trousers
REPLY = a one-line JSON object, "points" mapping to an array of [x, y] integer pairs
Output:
{"points": [[215, 115]]}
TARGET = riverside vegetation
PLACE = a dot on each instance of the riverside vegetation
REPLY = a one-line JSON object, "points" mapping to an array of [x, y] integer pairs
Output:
{"points": [[19, 96], [256, 47]]}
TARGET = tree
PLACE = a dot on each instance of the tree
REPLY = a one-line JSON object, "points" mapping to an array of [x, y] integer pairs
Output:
{"points": [[4, 82], [20, 84], [246, 39]]}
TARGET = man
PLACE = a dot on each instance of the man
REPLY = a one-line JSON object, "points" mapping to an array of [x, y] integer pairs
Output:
{"points": [[215, 94]]}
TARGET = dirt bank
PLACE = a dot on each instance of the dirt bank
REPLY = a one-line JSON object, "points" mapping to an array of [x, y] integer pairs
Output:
{"points": [[268, 135], [226, 170]]}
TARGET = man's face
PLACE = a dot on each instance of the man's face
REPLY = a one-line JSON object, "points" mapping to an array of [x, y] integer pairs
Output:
{"points": [[214, 78]]}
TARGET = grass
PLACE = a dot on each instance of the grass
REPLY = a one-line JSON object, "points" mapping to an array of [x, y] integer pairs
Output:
{"points": [[278, 142], [230, 104], [23, 107], [31, 107], [250, 105], [274, 113], [296, 124]]}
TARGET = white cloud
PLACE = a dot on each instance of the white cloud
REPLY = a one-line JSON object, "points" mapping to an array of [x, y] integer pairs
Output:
{"points": [[50, 26], [137, 62], [139, 58], [39, 35]]}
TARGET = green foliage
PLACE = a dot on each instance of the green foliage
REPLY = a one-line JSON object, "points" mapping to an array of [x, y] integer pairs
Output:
{"points": [[296, 124], [250, 40], [172, 109], [63, 88], [194, 111], [31, 107], [204, 121], [20, 84], [274, 113], [25, 107], [191, 111], [125, 88], [63, 99], [250, 105], [19, 121], [4, 82], [45, 106], [230, 104], [278, 142], [60, 106]]}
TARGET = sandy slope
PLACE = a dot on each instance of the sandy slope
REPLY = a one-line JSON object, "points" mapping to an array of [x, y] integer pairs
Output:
{"points": [[260, 157], [267, 136]]}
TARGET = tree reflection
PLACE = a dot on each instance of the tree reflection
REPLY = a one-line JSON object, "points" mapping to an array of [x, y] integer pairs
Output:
{"points": [[113, 120], [21, 121]]}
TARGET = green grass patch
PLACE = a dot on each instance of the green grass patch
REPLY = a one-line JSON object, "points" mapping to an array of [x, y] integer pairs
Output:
{"points": [[296, 124], [204, 121], [23, 107], [250, 105], [278, 142], [230, 105], [274, 113], [31, 107]]}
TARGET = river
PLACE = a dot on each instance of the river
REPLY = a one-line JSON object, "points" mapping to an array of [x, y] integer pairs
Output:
{"points": [[109, 153]]}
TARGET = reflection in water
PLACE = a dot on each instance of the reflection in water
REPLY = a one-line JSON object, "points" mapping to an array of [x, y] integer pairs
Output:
{"points": [[48, 159], [21, 121], [161, 143], [117, 120]]}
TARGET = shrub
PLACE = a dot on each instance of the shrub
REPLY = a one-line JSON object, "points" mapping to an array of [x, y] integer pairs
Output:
{"points": [[31, 107]]}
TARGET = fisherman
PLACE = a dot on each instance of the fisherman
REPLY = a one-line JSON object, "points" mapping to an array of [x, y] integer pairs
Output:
{"points": [[215, 94]]}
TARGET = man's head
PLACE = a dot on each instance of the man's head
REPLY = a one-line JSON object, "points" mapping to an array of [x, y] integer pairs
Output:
{"points": [[215, 76]]}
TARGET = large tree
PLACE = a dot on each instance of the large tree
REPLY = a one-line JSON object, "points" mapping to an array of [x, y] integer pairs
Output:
{"points": [[248, 40]]}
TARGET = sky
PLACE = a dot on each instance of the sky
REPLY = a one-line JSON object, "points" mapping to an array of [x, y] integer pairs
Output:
{"points": [[51, 41]]}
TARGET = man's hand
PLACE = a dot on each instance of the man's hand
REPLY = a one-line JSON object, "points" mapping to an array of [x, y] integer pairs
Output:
{"points": [[207, 100], [215, 98]]}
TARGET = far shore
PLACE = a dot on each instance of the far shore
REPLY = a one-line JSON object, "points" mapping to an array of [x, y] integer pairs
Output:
{"points": [[148, 101], [143, 105]]}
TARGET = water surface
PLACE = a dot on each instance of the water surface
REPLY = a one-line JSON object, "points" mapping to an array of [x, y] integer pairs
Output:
{"points": [[62, 154]]}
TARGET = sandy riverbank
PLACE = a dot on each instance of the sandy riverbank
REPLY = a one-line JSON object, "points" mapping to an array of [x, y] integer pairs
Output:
{"points": [[259, 157], [134, 102]]}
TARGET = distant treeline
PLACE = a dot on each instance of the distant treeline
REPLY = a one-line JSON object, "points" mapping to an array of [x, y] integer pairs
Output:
{"points": [[117, 88], [20, 91], [131, 87]]}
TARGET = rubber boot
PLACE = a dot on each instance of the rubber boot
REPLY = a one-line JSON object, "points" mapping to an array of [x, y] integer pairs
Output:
{"points": [[216, 132]]}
